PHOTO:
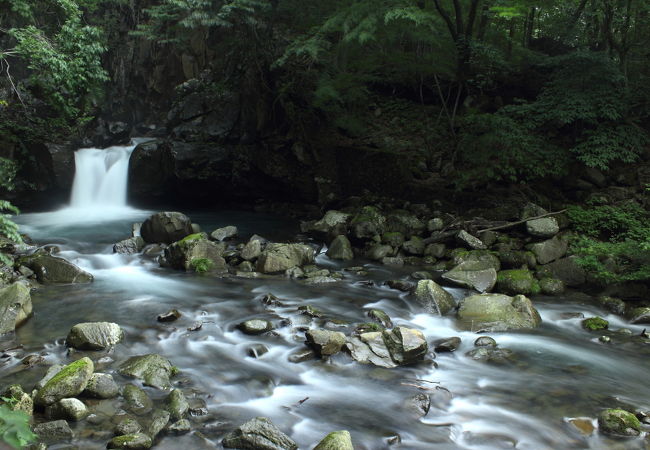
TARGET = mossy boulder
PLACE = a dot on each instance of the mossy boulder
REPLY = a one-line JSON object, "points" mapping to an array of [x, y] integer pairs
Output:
{"points": [[177, 405], [497, 312], [619, 422], [340, 248], [15, 306], [166, 227], [259, 434], [21, 401], [137, 400], [94, 335], [153, 370], [613, 304], [368, 223], [138, 441], [183, 254], [403, 222], [473, 275], [69, 382], [550, 250], [336, 440], [640, 315], [516, 281], [485, 258], [516, 259], [551, 286], [433, 297], [595, 324], [279, 257], [54, 270], [414, 246], [325, 342], [393, 238]]}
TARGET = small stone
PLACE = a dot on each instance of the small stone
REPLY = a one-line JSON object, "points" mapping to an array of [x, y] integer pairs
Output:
{"points": [[341, 249], [310, 311], [336, 440], [470, 241], [136, 399], [446, 344], [169, 316], [139, 441], [583, 425], [257, 350], [94, 335], [491, 355], [380, 317], [177, 405], [605, 339], [259, 433], [255, 326], [435, 224], [159, 420], [417, 405], [485, 341], [153, 370]]}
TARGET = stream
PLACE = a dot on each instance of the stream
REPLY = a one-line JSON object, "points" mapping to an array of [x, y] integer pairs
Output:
{"points": [[561, 371]]}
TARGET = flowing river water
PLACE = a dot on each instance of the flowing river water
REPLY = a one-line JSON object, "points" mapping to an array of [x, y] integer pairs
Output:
{"points": [[560, 371]]}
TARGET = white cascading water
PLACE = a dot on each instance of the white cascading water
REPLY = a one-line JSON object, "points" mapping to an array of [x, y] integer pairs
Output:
{"points": [[100, 179]]}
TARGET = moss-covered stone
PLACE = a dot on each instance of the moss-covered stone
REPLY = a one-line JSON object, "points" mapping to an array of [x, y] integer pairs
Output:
{"points": [[20, 400], [68, 382], [153, 370], [139, 441], [15, 306], [137, 400], [516, 281], [94, 335], [177, 405], [259, 433], [619, 422], [433, 297], [497, 312], [595, 324], [336, 440], [325, 342]]}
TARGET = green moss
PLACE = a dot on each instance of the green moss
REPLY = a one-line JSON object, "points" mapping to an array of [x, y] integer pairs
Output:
{"points": [[619, 422], [514, 275], [69, 370], [595, 324], [310, 311], [192, 237], [174, 371], [368, 327], [536, 289], [201, 265]]}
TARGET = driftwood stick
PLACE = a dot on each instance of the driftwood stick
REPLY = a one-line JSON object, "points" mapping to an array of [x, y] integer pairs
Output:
{"points": [[512, 224]]}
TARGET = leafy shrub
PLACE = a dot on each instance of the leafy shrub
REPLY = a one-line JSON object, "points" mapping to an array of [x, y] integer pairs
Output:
{"points": [[14, 427], [201, 265]]}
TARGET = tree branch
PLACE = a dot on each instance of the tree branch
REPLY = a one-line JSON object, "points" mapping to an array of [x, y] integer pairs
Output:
{"points": [[512, 224], [445, 16]]}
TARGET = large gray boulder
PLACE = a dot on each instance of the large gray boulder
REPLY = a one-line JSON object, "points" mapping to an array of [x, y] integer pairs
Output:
{"points": [[166, 227], [497, 312], [517, 281], [129, 246], [280, 257], [69, 382], [400, 346], [368, 223], [222, 234], [259, 434], [94, 335], [568, 270], [184, 254], [332, 224], [325, 342], [15, 307], [53, 270], [433, 297], [473, 275], [550, 250], [153, 370], [340, 248], [545, 227]]}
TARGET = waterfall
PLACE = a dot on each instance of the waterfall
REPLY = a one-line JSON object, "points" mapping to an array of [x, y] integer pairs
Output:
{"points": [[100, 178]]}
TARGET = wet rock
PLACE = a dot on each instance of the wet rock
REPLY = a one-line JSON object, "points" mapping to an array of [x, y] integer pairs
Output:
{"points": [[368, 223], [485, 341], [325, 342], [583, 425], [639, 315], [550, 250], [138, 441], [393, 238], [55, 431], [260, 434], [159, 420], [400, 285], [21, 400], [395, 261], [225, 233], [310, 311], [595, 324], [257, 350], [280, 257], [54, 270], [414, 246], [402, 221], [491, 355], [332, 224], [433, 297], [101, 385], [472, 275], [340, 248], [15, 306], [169, 316], [153, 370], [69, 382], [380, 317], [94, 335], [180, 427], [618, 422], [336, 440], [417, 405], [422, 275], [497, 312], [166, 227], [137, 399], [484, 258], [615, 305], [255, 326], [130, 246], [49, 374], [252, 250], [302, 355], [177, 405], [551, 286], [446, 344], [70, 409], [196, 252], [128, 425], [370, 348], [517, 281], [469, 241], [406, 345], [378, 252], [516, 259]]}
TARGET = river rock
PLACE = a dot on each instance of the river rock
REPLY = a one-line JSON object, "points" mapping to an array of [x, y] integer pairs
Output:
{"points": [[280, 257], [177, 405], [137, 400], [406, 345], [138, 441], [222, 234], [70, 409], [568, 270], [252, 250], [259, 434], [302, 355], [436, 250], [435, 224], [332, 224], [497, 312], [414, 246], [325, 342], [400, 285], [469, 241], [130, 246], [94, 335], [550, 250], [472, 275], [393, 238], [404, 222], [336, 440], [378, 252], [54, 270], [491, 355], [613, 304], [551, 286], [368, 223], [101, 385], [170, 316], [485, 341], [417, 405], [484, 258], [595, 324], [166, 227], [159, 420], [340, 248], [618, 422], [433, 297], [517, 281], [180, 427], [128, 425], [516, 259], [153, 370], [446, 344], [640, 315], [22, 401], [380, 317], [15, 306], [255, 326], [69, 382], [370, 348], [184, 254], [55, 431]]}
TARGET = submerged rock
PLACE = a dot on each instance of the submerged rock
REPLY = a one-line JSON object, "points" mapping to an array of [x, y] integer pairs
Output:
{"points": [[54, 270], [153, 370], [433, 297], [497, 312], [177, 405], [137, 399], [619, 422], [15, 306], [259, 434], [336, 440], [128, 425], [169, 316], [69, 382], [166, 227], [94, 335]]}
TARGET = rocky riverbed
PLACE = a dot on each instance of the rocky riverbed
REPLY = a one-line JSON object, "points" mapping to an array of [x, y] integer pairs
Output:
{"points": [[370, 327]]}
